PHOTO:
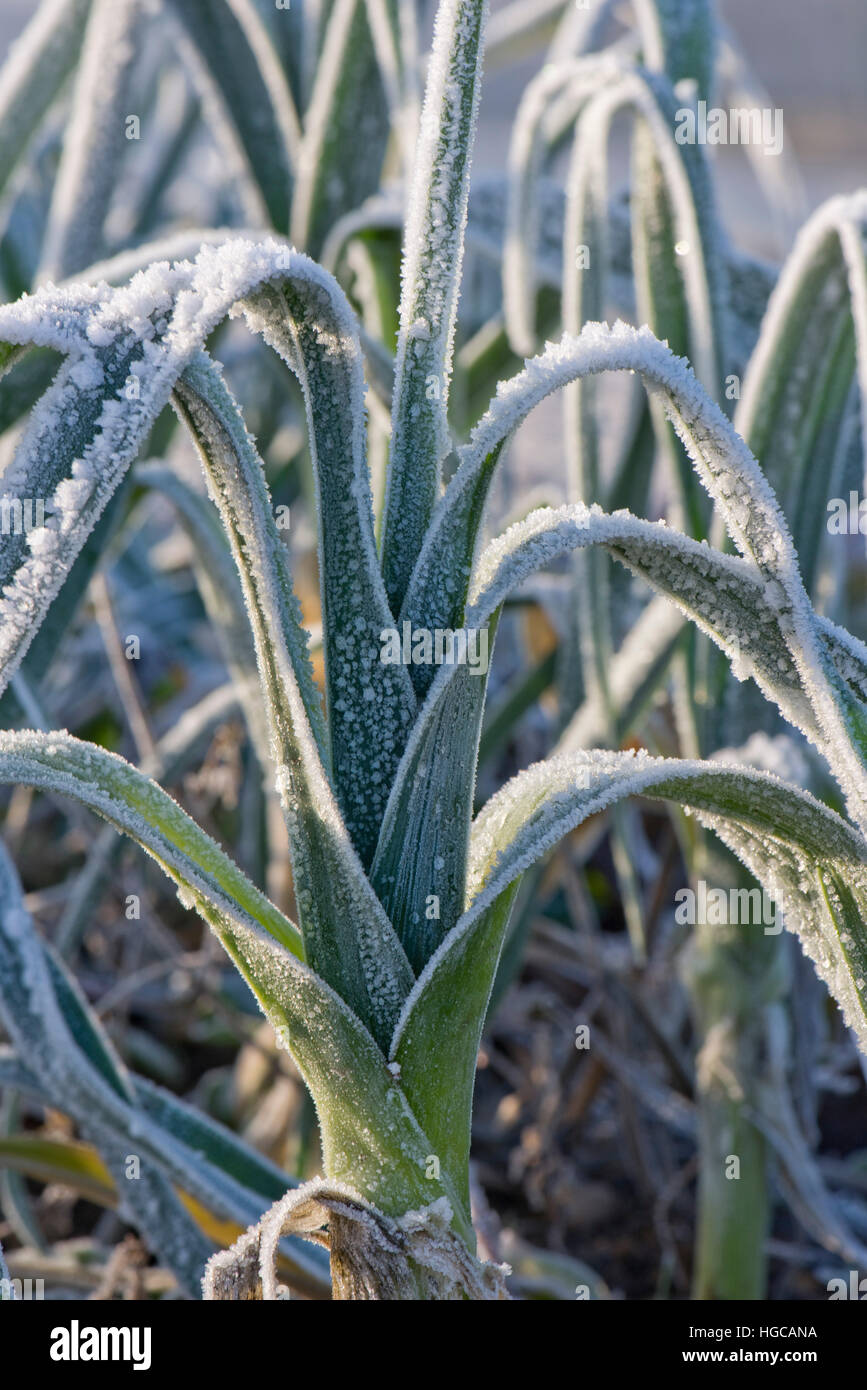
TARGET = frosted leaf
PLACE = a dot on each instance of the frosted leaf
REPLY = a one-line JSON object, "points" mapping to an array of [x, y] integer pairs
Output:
{"points": [[34, 71], [309, 322], [346, 124], [779, 754], [348, 937], [422, 849], [719, 593], [848, 655], [130, 801], [725, 467], [781, 410], [674, 200], [518, 23], [450, 545], [368, 1127], [382, 211], [723, 595], [394, 28], [580, 30], [431, 271], [669, 187], [98, 1096], [157, 322], [633, 670], [574, 83], [792, 842], [779, 178], [175, 246], [75, 1069], [219, 585], [369, 1133], [178, 1142], [247, 99], [94, 141], [800, 851]]}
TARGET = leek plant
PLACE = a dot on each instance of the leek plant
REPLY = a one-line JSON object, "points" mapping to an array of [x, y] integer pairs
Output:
{"points": [[670, 264], [403, 895]]}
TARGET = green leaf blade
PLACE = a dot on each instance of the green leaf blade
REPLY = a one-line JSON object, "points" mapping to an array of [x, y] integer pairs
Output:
{"points": [[433, 253]]}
